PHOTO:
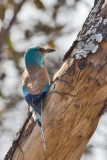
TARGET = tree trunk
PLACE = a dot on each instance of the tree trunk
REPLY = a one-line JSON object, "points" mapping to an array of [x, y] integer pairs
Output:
{"points": [[76, 99]]}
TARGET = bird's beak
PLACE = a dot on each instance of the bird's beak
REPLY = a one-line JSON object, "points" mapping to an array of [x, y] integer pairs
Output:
{"points": [[49, 50]]}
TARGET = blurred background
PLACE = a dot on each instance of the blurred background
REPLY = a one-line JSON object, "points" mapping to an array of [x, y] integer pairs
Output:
{"points": [[24, 23]]}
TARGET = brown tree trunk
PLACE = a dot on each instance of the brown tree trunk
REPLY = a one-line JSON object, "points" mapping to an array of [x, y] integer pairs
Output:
{"points": [[76, 99]]}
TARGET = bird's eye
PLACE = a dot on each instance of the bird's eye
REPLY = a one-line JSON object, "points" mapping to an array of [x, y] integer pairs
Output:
{"points": [[41, 50]]}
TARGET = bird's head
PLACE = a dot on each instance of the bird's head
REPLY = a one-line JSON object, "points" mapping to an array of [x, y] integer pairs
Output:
{"points": [[34, 55], [40, 50]]}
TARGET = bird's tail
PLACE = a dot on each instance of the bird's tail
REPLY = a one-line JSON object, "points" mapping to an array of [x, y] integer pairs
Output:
{"points": [[42, 134], [37, 112]]}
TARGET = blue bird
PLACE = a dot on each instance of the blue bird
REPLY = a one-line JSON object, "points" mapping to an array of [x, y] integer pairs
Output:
{"points": [[35, 82]]}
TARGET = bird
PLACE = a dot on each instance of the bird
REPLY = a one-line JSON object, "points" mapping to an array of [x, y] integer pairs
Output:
{"points": [[36, 82]]}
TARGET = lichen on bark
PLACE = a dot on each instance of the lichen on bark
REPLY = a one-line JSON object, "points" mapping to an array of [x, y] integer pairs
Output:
{"points": [[93, 32]]}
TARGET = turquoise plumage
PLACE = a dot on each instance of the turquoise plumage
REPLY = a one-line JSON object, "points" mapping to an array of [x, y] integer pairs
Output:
{"points": [[35, 82]]}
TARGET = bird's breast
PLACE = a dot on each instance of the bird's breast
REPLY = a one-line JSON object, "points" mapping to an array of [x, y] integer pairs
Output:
{"points": [[35, 79]]}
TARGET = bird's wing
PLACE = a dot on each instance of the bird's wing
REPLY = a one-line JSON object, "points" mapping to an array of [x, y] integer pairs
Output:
{"points": [[34, 80]]}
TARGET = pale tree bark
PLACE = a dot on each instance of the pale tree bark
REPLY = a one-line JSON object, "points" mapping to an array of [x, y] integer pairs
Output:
{"points": [[76, 99]]}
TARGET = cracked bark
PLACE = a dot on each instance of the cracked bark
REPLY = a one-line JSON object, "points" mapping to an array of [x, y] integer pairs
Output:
{"points": [[74, 104]]}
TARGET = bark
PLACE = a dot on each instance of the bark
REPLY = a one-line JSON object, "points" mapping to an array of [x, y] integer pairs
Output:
{"points": [[76, 100]]}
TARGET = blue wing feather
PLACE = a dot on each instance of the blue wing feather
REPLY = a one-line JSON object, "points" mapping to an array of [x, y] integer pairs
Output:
{"points": [[24, 91], [35, 101]]}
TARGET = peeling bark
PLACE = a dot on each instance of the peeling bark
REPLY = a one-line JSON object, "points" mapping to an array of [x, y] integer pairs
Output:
{"points": [[76, 100]]}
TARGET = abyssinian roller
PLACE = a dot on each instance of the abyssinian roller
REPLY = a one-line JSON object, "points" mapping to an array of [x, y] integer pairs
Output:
{"points": [[35, 82]]}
